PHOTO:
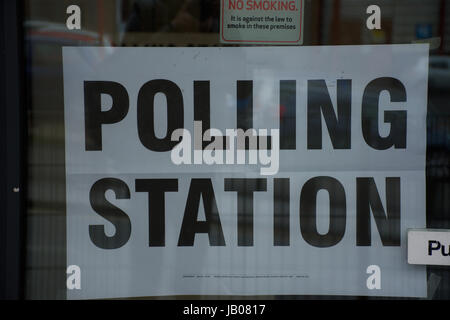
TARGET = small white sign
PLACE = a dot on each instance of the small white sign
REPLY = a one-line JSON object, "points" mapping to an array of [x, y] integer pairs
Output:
{"points": [[429, 246], [262, 22]]}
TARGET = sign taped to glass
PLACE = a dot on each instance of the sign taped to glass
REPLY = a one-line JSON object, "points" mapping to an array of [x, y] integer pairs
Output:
{"points": [[244, 171]]}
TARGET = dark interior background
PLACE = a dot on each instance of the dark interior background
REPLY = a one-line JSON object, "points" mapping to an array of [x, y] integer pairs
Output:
{"points": [[194, 23]]}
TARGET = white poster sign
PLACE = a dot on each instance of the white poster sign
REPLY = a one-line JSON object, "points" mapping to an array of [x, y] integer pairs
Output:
{"points": [[232, 171]]}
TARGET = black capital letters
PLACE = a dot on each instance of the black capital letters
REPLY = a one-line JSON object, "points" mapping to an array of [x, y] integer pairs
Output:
{"points": [[288, 119], [319, 101], [94, 117], [245, 189], [308, 199], [146, 114], [104, 208], [201, 188], [281, 211], [368, 198], [397, 119], [156, 189]]}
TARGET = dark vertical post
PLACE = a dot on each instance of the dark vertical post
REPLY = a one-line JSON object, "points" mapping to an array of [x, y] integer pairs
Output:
{"points": [[11, 151], [442, 23]]}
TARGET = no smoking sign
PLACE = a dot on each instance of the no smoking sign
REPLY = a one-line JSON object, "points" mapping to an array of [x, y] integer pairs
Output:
{"points": [[262, 21]]}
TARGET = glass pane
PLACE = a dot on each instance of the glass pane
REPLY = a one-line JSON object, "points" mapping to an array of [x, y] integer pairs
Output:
{"points": [[193, 24]]}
